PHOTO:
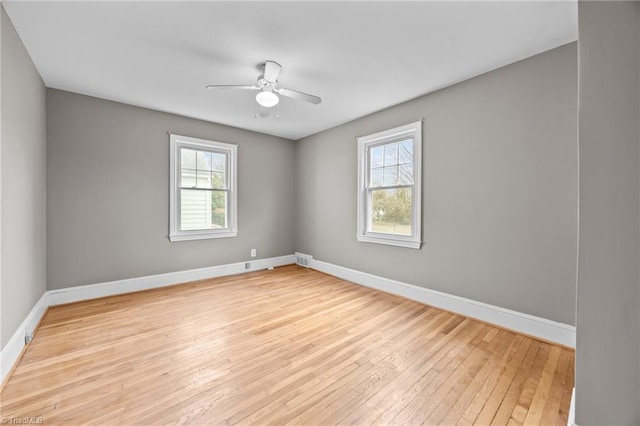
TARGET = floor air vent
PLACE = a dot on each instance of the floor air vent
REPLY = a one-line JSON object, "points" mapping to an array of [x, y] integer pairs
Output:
{"points": [[303, 260]]}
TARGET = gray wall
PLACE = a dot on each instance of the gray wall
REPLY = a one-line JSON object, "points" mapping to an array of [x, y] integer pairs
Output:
{"points": [[499, 189], [607, 353], [22, 182], [108, 193]]}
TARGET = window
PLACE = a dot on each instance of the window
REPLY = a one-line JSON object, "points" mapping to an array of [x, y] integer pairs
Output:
{"points": [[389, 177], [203, 189]]}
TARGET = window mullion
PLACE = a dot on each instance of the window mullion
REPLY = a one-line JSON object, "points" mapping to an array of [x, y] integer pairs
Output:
{"points": [[204, 189], [371, 188]]}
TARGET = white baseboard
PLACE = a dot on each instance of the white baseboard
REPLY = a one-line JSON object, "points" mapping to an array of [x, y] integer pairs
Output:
{"points": [[111, 288], [11, 351], [571, 420], [541, 328]]}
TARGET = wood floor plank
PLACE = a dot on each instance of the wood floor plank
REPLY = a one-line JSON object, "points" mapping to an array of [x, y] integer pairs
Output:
{"points": [[304, 395], [531, 367], [351, 401], [508, 345], [552, 405], [381, 401], [422, 405], [286, 346], [460, 398], [244, 396], [535, 413], [494, 400], [427, 376], [567, 390]]}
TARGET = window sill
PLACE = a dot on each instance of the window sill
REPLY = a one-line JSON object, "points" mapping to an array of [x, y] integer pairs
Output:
{"points": [[202, 236], [390, 241]]}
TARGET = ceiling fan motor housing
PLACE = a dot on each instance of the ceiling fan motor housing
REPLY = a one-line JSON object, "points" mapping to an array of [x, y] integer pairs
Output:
{"points": [[270, 70], [264, 83]]}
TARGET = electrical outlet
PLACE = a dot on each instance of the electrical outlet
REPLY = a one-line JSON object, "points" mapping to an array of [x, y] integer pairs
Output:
{"points": [[247, 265], [253, 253]]}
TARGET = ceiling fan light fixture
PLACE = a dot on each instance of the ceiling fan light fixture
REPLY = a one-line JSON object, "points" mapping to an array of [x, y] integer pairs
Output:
{"points": [[267, 98]]}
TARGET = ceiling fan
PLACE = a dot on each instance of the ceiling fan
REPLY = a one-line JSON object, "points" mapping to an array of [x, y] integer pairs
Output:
{"points": [[267, 84]]}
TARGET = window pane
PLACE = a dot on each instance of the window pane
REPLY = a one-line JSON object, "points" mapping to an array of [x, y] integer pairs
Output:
{"points": [[376, 176], [187, 158], [377, 156], [218, 180], [204, 179], [218, 162], [391, 175], [203, 160], [390, 211], [391, 154], [188, 178], [219, 209], [405, 174], [202, 209], [406, 151]]}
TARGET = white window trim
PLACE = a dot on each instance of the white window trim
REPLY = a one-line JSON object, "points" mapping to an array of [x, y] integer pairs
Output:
{"points": [[413, 130], [175, 234]]}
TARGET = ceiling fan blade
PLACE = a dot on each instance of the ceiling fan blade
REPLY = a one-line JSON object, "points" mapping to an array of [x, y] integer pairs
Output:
{"points": [[271, 71], [225, 86], [299, 95]]}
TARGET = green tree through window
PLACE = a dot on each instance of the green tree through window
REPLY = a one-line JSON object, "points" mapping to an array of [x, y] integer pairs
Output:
{"points": [[391, 210]]}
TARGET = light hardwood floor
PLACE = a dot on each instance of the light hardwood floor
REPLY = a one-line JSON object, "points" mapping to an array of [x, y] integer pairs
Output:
{"points": [[285, 346]]}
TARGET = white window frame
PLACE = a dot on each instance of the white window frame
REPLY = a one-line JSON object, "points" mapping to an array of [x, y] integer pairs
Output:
{"points": [[413, 131], [177, 142]]}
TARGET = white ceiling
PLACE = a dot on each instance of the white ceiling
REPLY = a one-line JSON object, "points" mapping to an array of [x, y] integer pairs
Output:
{"points": [[360, 57]]}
